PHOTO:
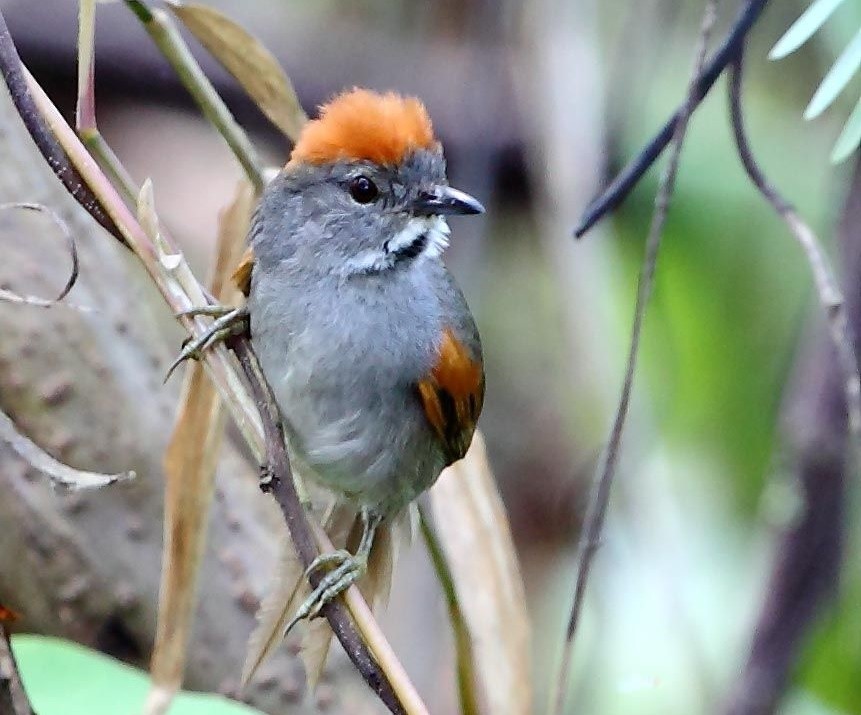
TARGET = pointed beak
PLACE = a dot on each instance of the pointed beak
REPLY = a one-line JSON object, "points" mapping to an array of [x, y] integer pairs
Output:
{"points": [[446, 201]]}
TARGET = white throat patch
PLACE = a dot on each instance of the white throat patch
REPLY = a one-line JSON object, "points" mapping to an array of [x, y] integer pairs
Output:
{"points": [[422, 236], [435, 230]]}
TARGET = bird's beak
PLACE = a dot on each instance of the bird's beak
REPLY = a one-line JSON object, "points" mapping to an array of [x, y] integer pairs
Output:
{"points": [[446, 201]]}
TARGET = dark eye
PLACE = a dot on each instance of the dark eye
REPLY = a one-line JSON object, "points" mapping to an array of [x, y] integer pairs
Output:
{"points": [[363, 190]]}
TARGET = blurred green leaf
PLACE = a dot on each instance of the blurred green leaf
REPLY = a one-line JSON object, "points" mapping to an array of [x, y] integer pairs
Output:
{"points": [[64, 678], [838, 77], [849, 138], [803, 28]]}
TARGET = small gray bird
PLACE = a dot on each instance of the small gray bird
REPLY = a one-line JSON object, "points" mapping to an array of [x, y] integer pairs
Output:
{"points": [[360, 330]]}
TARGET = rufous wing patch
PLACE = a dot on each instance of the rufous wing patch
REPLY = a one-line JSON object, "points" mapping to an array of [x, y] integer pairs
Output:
{"points": [[242, 275], [452, 396], [363, 125]]}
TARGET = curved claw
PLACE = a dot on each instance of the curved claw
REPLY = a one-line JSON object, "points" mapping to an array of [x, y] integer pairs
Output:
{"points": [[333, 557], [231, 321], [350, 568], [332, 585]]}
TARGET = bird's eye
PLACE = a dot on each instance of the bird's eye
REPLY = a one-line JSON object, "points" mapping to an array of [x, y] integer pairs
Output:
{"points": [[363, 190]]}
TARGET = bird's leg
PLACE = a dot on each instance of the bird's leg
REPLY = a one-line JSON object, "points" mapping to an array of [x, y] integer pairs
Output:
{"points": [[229, 321], [346, 569]]}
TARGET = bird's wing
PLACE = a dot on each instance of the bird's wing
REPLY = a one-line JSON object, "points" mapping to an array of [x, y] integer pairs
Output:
{"points": [[242, 275], [452, 394]]}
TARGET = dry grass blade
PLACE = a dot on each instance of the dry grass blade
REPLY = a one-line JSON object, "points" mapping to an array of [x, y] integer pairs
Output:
{"points": [[189, 467], [253, 66], [472, 528], [233, 229], [275, 610], [190, 463], [59, 473]]}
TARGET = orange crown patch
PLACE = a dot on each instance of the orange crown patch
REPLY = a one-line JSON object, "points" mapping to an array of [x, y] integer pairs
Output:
{"points": [[363, 125]]}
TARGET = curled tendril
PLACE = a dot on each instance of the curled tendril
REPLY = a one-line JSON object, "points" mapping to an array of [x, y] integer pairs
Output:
{"points": [[67, 234]]}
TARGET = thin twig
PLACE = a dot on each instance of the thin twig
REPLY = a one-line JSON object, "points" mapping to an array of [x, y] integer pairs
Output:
{"points": [[625, 180], [85, 109], [282, 489], [109, 161], [8, 296], [591, 534], [13, 697], [164, 34], [830, 296], [11, 70]]}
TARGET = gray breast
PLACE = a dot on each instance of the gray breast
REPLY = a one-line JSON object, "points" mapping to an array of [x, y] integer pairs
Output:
{"points": [[343, 357]]}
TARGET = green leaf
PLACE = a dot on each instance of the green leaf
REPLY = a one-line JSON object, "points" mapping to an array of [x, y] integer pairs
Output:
{"points": [[64, 678], [838, 77], [803, 28], [849, 138]]}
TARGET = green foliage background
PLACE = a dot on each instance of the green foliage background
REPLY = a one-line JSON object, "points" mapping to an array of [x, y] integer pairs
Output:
{"points": [[63, 678]]}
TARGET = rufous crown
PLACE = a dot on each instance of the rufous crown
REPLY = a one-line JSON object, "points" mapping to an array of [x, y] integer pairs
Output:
{"points": [[363, 125]]}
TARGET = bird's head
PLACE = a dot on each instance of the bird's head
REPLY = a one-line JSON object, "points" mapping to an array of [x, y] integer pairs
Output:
{"points": [[365, 189]]}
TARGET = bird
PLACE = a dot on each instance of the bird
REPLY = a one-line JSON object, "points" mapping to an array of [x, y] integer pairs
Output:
{"points": [[363, 335]]}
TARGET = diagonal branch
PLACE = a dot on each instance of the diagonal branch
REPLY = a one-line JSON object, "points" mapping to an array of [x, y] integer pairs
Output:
{"points": [[627, 179], [590, 536], [282, 489]]}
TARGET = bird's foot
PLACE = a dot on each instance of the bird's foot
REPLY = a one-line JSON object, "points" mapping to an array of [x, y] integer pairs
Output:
{"points": [[343, 570], [229, 322]]}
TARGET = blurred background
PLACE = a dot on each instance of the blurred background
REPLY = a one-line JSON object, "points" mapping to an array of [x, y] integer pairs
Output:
{"points": [[538, 104]]}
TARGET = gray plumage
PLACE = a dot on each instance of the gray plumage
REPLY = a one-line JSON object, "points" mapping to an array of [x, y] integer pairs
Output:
{"points": [[348, 304]]}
